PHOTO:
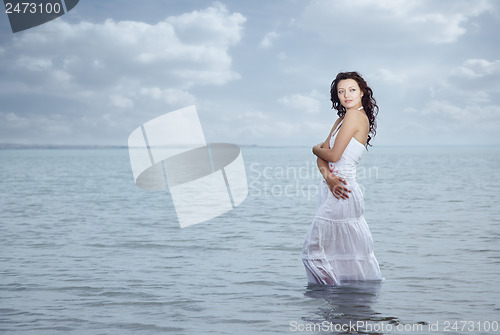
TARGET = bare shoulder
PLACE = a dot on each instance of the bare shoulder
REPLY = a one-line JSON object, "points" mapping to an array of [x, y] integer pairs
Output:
{"points": [[359, 125], [356, 119]]}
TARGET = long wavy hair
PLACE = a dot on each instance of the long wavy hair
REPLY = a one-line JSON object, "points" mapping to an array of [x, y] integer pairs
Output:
{"points": [[368, 101]]}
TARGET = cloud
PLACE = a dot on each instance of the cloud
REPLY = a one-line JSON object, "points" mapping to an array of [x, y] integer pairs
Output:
{"points": [[467, 99], [268, 40], [121, 101], [431, 64], [392, 22], [450, 116], [310, 103], [53, 128], [477, 68], [213, 26], [103, 70], [476, 81], [390, 76], [171, 96], [162, 52]]}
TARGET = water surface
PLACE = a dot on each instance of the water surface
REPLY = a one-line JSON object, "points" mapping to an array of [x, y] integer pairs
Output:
{"points": [[84, 251]]}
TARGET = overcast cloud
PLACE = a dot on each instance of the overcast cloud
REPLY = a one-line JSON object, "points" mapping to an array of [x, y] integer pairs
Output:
{"points": [[258, 74]]}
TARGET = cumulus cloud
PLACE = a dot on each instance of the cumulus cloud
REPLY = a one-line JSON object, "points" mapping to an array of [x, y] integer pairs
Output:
{"points": [[171, 96], [213, 26], [467, 99], [431, 64], [309, 103], [476, 68], [404, 22], [48, 128], [111, 51], [476, 81], [268, 40], [121, 101], [389, 76], [103, 69], [450, 116]]}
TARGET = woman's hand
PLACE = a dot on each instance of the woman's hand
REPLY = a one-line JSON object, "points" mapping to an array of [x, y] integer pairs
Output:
{"points": [[316, 147], [335, 185]]}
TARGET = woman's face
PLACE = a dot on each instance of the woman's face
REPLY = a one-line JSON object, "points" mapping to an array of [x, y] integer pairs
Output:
{"points": [[349, 94]]}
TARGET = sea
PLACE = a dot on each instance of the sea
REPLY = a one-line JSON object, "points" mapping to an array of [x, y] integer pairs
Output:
{"points": [[83, 250]]}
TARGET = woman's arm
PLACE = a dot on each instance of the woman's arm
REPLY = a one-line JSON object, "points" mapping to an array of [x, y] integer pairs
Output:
{"points": [[322, 163], [326, 143], [323, 168], [346, 132], [334, 182]]}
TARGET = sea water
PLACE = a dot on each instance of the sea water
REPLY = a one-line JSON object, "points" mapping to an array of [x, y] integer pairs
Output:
{"points": [[85, 251]]}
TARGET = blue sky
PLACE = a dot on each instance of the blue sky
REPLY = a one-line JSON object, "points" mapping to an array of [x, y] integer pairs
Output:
{"points": [[258, 72]]}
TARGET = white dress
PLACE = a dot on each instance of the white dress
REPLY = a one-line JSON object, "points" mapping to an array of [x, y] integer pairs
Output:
{"points": [[338, 246]]}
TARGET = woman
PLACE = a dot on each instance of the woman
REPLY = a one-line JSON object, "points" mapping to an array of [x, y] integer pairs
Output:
{"points": [[338, 245]]}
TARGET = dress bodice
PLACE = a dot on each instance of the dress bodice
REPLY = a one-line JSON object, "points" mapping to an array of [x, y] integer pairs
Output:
{"points": [[346, 166]]}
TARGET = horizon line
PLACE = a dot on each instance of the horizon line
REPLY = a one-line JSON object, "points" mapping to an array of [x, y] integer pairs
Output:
{"points": [[112, 146]]}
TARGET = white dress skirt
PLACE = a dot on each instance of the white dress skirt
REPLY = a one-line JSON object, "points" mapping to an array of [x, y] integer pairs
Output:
{"points": [[338, 246]]}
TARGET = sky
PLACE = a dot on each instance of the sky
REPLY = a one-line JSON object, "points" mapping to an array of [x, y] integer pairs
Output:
{"points": [[259, 72]]}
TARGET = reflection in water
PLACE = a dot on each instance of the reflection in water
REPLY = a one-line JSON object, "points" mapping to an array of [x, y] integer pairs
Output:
{"points": [[349, 308]]}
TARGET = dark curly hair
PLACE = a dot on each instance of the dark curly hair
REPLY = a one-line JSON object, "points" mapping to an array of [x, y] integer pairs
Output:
{"points": [[369, 104]]}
